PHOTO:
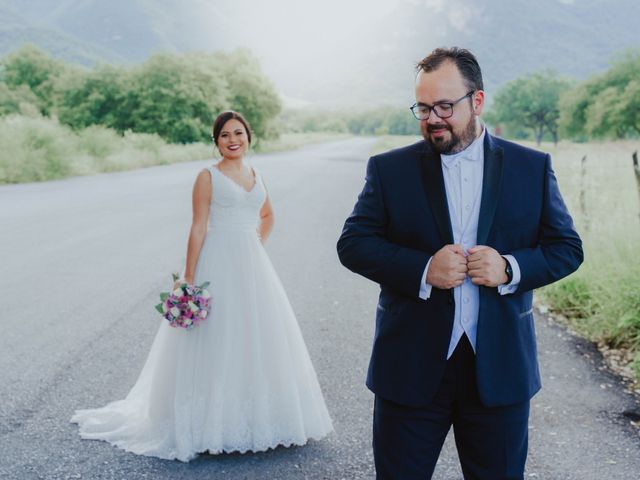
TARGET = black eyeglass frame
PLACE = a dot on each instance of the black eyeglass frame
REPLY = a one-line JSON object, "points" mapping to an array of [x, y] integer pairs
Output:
{"points": [[433, 108]]}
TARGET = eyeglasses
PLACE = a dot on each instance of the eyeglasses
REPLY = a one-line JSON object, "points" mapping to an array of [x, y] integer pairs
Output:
{"points": [[443, 109]]}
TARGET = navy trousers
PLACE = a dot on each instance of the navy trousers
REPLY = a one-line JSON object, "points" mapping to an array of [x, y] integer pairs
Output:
{"points": [[491, 441]]}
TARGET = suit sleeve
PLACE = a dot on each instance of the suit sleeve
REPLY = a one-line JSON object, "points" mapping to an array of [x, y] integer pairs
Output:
{"points": [[559, 249], [363, 246]]}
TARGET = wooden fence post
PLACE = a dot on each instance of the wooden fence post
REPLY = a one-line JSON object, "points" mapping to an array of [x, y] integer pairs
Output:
{"points": [[583, 193], [636, 168]]}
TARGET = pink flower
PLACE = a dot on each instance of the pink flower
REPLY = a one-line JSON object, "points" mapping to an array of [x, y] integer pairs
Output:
{"points": [[186, 306]]}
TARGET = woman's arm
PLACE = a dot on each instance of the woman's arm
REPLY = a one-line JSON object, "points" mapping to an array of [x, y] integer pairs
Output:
{"points": [[266, 220], [201, 201]]}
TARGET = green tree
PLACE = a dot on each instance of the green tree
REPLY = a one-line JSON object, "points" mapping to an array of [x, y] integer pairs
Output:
{"points": [[630, 108], [251, 92], [96, 97], [402, 122], [16, 100], [176, 96], [31, 67], [382, 121], [573, 110], [532, 102], [606, 105]]}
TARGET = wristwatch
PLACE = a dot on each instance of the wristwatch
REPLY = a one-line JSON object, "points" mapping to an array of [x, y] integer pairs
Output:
{"points": [[508, 271]]}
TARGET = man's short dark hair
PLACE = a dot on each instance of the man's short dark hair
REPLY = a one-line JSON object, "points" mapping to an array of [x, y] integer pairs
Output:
{"points": [[462, 58]]}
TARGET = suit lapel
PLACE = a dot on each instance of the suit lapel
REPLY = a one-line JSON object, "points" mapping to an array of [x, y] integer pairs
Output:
{"points": [[491, 180], [436, 194]]}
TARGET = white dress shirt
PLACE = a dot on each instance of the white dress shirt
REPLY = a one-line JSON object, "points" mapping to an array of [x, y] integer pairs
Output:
{"points": [[463, 172]]}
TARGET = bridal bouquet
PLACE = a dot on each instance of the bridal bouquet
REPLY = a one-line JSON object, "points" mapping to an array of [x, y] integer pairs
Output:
{"points": [[186, 306]]}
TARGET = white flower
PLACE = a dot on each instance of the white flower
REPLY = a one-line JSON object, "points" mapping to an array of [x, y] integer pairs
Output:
{"points": [[205, 294], [175, 311], [164, 307], [177, 292], [193, 307]]}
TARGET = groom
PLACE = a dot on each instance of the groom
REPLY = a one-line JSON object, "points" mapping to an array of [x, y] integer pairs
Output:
{"points": [[458, 230]]}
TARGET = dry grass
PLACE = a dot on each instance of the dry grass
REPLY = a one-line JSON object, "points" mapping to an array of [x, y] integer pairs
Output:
{"points": [[36, 149]]}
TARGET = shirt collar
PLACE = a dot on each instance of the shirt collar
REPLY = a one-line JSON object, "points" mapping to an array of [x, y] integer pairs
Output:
{"points": [[475, 151]]}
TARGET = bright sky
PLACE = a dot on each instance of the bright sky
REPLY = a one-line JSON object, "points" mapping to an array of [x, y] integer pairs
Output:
{"points": [[314, 41], [314, 24], [289, 34]]}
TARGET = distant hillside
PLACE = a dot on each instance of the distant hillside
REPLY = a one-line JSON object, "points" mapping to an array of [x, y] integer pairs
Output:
{"points": [[510, 38], [127, 30], [15, 30], [368, 62]]}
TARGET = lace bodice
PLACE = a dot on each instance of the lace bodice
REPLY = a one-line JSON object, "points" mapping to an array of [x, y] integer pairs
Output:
{"points": [[233, 207]]}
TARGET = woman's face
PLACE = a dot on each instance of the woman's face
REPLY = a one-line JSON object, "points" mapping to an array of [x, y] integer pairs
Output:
{"points": [[233, 141]]}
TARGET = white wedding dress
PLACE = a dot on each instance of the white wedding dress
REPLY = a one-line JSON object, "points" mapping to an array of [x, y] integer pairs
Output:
{"points": [[240, 381]]}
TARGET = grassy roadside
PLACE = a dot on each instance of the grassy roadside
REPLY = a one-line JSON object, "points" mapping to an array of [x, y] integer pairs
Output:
{"points": [[39, 149], [601, 301], [291, 141]]}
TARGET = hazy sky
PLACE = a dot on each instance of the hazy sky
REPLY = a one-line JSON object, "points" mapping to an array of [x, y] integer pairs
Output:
{"points": [[355, 51], [334, 42], [288, 35]]}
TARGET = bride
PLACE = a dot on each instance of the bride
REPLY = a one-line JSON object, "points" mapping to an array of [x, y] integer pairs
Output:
{"points": [[242, 380]]}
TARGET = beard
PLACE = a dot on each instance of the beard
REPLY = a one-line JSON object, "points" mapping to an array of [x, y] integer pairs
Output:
{"points": [[457, 142]]}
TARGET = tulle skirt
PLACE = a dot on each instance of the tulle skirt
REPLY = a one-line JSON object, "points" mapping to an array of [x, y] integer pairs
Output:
{"points": [[240, 381]]}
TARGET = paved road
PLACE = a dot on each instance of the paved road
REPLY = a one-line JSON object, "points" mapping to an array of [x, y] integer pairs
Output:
{"points": [[82, 261]]}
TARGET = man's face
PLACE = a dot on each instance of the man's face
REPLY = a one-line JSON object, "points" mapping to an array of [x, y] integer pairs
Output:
{"points": [[445, 84]]}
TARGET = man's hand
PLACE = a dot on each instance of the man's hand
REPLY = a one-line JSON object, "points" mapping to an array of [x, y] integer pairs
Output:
{"points": [[448, 267], [486, 266]]}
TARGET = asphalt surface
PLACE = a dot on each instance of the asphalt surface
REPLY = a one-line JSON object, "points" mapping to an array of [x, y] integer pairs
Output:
{"points": [[82, 261]]}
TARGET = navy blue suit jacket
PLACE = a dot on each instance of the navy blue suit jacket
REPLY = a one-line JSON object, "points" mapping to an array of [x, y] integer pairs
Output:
{"points": [[401, 219]]}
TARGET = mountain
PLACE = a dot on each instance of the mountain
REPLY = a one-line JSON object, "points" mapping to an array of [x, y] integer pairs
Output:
{"points": [[509, 38], [16, 29], [333, 52], [128, 30]]}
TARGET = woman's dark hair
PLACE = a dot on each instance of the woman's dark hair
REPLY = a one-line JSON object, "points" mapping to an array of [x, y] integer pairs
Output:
{"points": [[462, 58], [223, 118]]}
